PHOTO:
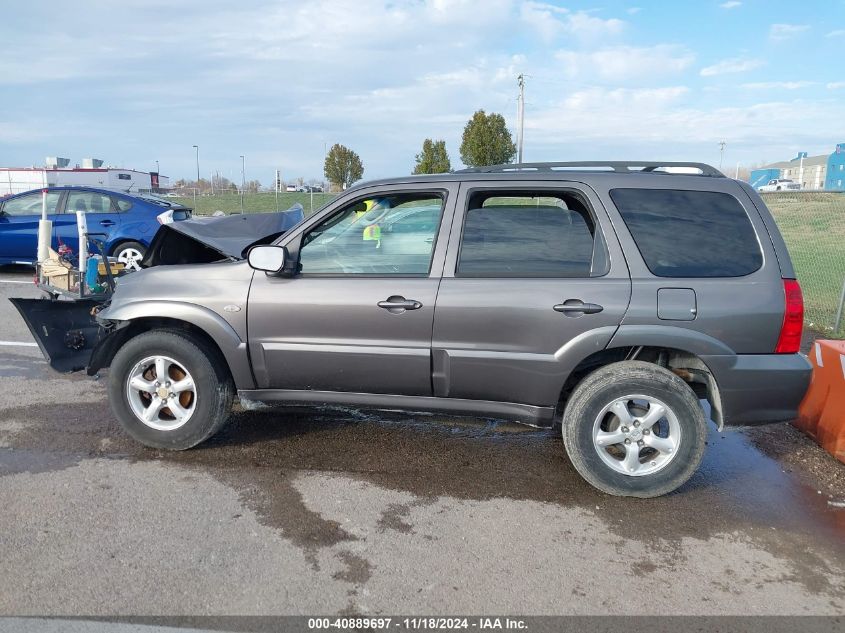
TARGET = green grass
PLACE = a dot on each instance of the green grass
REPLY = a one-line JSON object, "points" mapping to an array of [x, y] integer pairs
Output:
{"points": [[255, 202], [813, 227]]}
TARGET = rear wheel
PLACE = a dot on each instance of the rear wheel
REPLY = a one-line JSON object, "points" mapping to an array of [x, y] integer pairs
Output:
{"points": [[130, 254], [634, 429], [170, 390]]}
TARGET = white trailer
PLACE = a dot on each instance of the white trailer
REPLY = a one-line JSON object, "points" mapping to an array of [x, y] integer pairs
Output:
{"points": [[20, 179]]}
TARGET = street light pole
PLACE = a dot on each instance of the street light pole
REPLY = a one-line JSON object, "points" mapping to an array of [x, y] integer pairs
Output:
{"points": [[197, 147], [243, 182], [520, 80], [722, 145], [801, 171]]}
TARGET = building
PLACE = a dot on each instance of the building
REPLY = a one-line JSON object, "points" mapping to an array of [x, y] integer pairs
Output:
{"points": [[91, 173], [836, 169], [822, 172]]}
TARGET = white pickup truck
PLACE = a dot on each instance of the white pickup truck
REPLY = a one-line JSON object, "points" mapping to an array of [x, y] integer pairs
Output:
{"points": [[780, 184]]}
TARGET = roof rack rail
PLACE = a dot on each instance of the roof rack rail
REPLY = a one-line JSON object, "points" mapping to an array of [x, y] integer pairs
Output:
{"points": [[621, 167]]}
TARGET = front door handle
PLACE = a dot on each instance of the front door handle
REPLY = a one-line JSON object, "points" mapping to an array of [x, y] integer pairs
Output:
{"points": [[106, 223], [397, 304], [576, 307]]}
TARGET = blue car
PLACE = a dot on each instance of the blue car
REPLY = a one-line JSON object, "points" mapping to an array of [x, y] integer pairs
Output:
{"points": [[129, 222]]}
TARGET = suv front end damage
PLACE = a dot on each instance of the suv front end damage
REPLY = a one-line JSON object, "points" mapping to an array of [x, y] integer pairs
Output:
{"points": [[70, 334]]}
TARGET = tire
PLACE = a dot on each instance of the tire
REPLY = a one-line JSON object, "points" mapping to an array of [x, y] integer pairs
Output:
{"points": [[680, 433], [130, 254], [206, 407]]}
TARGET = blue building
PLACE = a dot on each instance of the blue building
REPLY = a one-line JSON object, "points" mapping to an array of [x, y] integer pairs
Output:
{"points": [[816, 173], [835, 180]]}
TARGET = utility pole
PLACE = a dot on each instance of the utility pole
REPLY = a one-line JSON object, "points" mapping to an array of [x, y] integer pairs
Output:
{"points": [[520, 80], [722, 145], [197, 147], [243, 182]]}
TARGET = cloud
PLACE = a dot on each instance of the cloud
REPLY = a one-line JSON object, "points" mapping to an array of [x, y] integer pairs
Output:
{"points": [[779, 85], [731, 4], [551, 22], [836, 33], [786, 31], [666, 119], [625, 64], [275, 79], [732, 65]]}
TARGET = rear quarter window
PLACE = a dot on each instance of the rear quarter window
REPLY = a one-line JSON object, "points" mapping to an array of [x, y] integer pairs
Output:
{"points": [[690, 233], [122, 205]]}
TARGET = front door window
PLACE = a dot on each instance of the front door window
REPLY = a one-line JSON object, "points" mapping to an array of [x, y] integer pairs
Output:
{"points": [[381, 235], [30, 204]]}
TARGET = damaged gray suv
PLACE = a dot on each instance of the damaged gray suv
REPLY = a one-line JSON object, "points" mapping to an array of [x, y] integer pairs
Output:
{"points": [[629, 302]]}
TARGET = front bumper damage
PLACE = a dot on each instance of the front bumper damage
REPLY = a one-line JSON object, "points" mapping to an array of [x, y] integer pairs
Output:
{"points": [[67, 332]]}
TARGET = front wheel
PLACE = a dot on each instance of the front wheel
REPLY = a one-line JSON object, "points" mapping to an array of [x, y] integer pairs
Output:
{"points": [[634, 429], [169, 389]]}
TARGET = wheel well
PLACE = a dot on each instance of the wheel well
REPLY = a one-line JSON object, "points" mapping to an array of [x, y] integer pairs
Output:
{"points": [[687, 366], [121, 242], [103, 356]]}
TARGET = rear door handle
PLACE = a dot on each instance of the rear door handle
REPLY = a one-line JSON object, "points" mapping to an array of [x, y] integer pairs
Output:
{"points": [[576, 307], [106, 223], [397, 304]]}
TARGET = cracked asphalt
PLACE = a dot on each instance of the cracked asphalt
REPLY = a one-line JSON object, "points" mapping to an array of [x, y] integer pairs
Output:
{"points": [[335, 510]]}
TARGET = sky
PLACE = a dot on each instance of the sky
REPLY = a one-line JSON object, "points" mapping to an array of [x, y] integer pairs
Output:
{"points": [[136, 81]]}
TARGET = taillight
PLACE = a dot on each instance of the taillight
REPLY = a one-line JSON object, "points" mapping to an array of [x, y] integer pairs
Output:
{"points": [[789, 341]]}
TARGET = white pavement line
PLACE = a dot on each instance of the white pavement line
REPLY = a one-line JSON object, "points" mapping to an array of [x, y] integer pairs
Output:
{"points": [[16, 281], [819, 362], [17, 344]]}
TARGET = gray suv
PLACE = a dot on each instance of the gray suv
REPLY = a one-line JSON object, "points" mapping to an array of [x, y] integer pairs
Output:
{"points": [[629, 302]]}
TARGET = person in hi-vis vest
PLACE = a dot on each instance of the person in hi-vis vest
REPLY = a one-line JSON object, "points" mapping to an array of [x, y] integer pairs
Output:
{"points": [[370, 213]]}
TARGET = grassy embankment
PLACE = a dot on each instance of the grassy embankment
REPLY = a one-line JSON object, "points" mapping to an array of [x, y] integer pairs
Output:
{"points": [[813, 226]]}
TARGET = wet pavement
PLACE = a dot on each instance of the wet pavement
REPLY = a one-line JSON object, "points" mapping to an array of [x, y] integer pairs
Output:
{"points": [[337, 510]]}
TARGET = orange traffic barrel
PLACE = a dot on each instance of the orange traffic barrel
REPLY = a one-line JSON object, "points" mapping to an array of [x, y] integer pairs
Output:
{"points": [[822, 412]]}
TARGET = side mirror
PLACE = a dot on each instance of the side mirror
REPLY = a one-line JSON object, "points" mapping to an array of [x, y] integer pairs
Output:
{"points": [[270, 259]]}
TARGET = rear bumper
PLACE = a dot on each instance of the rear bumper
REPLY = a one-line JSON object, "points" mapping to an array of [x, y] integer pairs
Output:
{"points": [[760, 388]]}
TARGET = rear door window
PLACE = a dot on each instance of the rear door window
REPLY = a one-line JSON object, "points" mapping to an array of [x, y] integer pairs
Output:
{"points": [[690, 233], [88, 202], [526, 235]]}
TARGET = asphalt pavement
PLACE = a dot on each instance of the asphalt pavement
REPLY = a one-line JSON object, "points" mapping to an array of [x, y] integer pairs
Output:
{"points": [[335, 510]]}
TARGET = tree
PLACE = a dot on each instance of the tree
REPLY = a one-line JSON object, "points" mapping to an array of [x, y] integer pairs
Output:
{"points": [[433, 159], [343, 166], [486, 141]]}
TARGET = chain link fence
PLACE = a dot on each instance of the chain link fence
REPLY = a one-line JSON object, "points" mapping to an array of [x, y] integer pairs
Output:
{"points": [[229, 202], [813, 226]]}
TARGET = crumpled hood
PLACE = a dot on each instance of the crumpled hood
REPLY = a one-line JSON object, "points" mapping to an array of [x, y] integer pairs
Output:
{"points": [[202, 240]]}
